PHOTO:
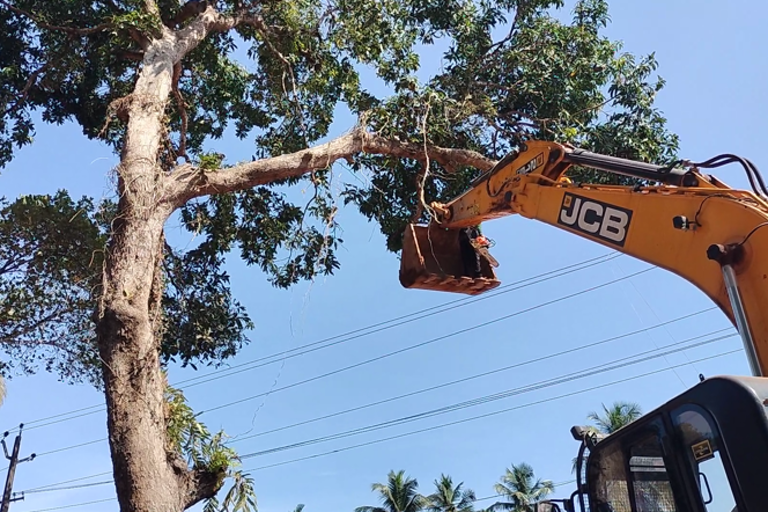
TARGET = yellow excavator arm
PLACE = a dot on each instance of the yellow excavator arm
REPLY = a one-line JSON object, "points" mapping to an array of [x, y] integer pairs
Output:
{"points": [[684, 221]]}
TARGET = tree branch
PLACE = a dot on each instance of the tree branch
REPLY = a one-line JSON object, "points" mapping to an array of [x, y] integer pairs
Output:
{"points": [[210, 20], [191, 182], [130, 55], [19, 331], [112, 5], [188, 11], [25, 91], [151, 7], [59, 28], [201, 484], [182, 111]]}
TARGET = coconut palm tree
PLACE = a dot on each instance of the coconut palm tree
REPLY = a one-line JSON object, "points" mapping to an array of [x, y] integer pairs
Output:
{"points": [[399, 494], [616, 416], [521, 490], [2, 390], [448, 498]]}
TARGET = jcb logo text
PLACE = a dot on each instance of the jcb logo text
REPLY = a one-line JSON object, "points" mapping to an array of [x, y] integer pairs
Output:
{"points": [[532, 164], [604, 221]]}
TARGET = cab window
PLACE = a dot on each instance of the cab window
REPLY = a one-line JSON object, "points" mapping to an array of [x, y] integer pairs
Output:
{"points": [[702, 444], [632, 476]]}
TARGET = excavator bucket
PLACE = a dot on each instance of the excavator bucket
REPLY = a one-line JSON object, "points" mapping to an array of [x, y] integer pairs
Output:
{"points": [[431, 260]]}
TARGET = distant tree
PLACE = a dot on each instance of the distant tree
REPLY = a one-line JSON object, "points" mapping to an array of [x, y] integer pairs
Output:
{"points": [[618, 415], [450, 498], [521, 489], [399, 494]]}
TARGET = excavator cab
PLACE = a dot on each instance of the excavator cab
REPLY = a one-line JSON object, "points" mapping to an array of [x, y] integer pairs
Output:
{"points": [[432, 259], [704, 451]]}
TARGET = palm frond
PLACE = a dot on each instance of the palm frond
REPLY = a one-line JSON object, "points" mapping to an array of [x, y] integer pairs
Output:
{"points": [[370, 509], [615, 417]]}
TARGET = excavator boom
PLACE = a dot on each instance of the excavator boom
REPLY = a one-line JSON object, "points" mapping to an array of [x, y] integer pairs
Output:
{"points": [[683, 221], [676, 218]]}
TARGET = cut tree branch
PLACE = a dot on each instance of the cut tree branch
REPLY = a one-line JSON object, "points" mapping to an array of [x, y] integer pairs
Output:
{"points": [[191, 182], [201, 484], [58, 28]]}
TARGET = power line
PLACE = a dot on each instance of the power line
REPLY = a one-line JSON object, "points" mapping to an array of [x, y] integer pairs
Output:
{"points": [[356, 333], [69, 487], [62, 507], [80, 479], [556, 485], [525, 388], [411, 317], [432, 388], [482, 374], [473, 418], [67, 448], [428, 342], [368, 361], [588, 372], [418, 345]]}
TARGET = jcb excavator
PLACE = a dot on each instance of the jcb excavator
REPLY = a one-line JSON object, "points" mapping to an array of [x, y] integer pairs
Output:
{"points": [[706, 450]]}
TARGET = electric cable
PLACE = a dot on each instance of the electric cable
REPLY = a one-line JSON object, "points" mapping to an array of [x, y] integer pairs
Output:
{"points": [[521, 390], [79, 479], [72, 447], [427, 342], [485, 498], [74, 505], [67, 488], [388, 354], [555, 484], [588, 372], [483, 374], [536, 279], [752, 232], [411, 317], [495, 413], [457, 381]]}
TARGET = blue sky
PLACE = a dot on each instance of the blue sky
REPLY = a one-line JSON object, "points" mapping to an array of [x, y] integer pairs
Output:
{"points": [[712, 59]]}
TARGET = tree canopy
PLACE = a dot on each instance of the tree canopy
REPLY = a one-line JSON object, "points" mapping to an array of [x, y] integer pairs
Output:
{"points": [[618, 415], [398, 494], [93, 290], [520, 489], [279, 73]]}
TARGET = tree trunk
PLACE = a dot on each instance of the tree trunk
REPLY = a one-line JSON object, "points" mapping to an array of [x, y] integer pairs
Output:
{"points": [[147, 477], [133, 385]]}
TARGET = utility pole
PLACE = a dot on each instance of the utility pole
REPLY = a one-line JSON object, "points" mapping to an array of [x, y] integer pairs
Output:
{"points": [[14, 461]]}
